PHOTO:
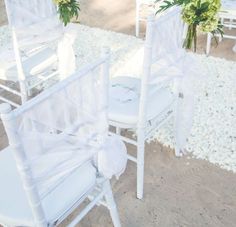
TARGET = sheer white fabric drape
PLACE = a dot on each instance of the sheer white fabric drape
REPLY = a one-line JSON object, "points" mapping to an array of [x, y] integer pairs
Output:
{"points": [[171, 61], [68, 129], [36, 23], [228, 4]]}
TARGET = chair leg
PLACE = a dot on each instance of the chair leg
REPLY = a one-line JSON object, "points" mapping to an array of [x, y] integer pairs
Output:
{"points": [[230, 23], [111, 205], [222, 22], [234, 48], [208, 47], [29, 93], [137, 19], [178, 152], [24, 92], [220, 38], [118, 130], [140, 166]]}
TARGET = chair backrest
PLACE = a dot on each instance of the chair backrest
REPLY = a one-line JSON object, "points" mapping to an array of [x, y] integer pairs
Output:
{"points": [[38, 33], [228, 4], [163, 47], [33, 21], [167, 34], [58, 131]]}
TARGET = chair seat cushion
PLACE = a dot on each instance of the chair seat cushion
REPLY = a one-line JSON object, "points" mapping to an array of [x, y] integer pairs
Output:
{"points": [[124, 97], [32, 65], [14, 206]]}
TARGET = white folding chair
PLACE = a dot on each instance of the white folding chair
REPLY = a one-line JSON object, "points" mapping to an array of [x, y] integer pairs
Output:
{"points": [[51, 165], [34, 58], [144, 105], [228, 20]]}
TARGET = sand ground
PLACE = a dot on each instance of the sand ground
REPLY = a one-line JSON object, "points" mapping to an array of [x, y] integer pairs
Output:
{"points": [[178, 191]]}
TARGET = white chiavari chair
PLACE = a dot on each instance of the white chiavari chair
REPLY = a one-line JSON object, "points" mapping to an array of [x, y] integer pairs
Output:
{"points": [[144, 104], [36, 56], [53, 160], [228, 20]]}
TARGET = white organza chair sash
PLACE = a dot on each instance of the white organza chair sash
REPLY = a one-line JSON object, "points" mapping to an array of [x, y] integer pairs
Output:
{"points": [[168, 36], [171, 62], [67, 128], [26, 12], [64, 130], [34, 21], [228, 4], [167, 52], [34, 34]]}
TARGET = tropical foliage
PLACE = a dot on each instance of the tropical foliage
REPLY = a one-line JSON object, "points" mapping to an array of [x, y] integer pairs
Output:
{"points": [[197, 14], [67, 9]]}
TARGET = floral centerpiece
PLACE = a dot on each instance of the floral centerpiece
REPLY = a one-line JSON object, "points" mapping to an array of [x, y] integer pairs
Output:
{"points": [[197, 14], [67, 9]]}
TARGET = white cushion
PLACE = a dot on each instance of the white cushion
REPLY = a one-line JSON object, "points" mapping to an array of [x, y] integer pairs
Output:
{"points": [[32, 65], [14, 207], [124, 97]]}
